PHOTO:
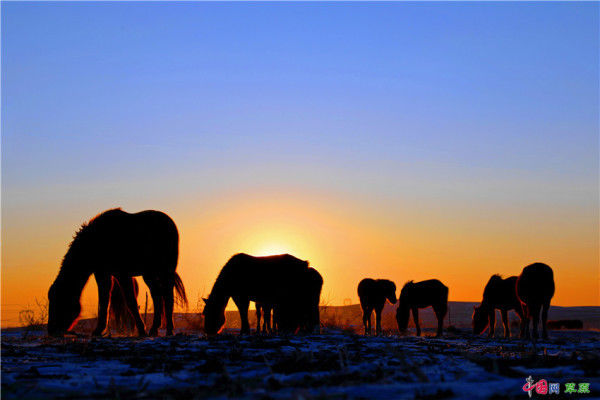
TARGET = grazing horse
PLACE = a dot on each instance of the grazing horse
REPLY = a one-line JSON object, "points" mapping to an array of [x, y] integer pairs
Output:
{"points": [[283, 281], [498, 294], [120, 245], [119, 317], [420, 295], [372, 294], [535, 289], [264, 310]]}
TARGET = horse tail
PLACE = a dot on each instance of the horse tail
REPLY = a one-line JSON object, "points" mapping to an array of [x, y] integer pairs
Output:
{"points": [[118, 305], [136, 287], [180, 296]]}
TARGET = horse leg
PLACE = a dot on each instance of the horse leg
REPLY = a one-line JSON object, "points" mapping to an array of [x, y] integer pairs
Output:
{"points": [[545, 308], [525, 324], [257, 317], [242, 305], [366, 318], [276, 326], [505, 323], [522, 313], [440, 312], [492, 319], [535, 315], [267, 319], [169, 302], [415, 313], [316, 316], [378, 320], [104, 283], [131, 300], [157, 300]]}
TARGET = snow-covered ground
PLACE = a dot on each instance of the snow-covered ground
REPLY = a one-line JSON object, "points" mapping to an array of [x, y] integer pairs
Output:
{"points": [[331, 365]]}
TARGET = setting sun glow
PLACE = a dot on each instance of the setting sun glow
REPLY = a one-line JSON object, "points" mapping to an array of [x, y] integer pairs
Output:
{"points": [[460, 144], [271, 249]]}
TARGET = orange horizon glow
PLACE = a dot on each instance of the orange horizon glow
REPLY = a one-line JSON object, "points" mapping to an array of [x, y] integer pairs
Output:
{"points": [[344, 241], [437, 148]]}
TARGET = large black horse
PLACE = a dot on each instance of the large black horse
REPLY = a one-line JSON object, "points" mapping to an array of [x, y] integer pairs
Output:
{"points": [[120, 245], [284, 281], [498, 294], [535, 288]]}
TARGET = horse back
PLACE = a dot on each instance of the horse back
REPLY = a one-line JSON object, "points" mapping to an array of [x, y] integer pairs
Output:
{"points": [[426, 293], [372, 292], [366, 288], [134, 244], [501, 293], [264, 279]]}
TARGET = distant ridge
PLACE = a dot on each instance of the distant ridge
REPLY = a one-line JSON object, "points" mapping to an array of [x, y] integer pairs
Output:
{"points": [[350, 317]]}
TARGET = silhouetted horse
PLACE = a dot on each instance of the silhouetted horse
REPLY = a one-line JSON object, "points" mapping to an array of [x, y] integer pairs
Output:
{"points": [[283, 280], [120, 318], [264, 310], [535, 289], [420, 295], [308, 313], [372, 294], [121, 245], [498, 294]]}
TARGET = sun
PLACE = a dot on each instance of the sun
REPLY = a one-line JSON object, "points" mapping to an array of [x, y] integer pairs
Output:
{"points": [[270, 249]]}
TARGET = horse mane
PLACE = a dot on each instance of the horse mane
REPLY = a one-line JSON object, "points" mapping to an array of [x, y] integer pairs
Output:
{"points": [[492, 285], [84, 231], [220, 281], [386, 283], [494, 279]]}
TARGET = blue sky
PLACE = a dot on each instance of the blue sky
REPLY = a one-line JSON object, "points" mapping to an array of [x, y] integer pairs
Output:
{"points": [[95, 89], [476, 105]]}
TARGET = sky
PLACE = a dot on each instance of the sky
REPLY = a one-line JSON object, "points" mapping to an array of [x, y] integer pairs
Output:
{"points": [[388, 140]]}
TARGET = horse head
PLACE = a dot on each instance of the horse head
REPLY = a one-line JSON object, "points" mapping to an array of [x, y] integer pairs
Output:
{"points": [[390, 291], [214, 317], [63, 308], [404, 302], [402, 313], [480, 319]]}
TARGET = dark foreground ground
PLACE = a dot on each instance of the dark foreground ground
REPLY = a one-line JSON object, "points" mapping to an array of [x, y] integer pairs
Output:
{"points": [[333, 365]]}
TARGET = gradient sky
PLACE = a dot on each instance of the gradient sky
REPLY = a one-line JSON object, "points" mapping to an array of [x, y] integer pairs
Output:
{"points": [[394, 140]]}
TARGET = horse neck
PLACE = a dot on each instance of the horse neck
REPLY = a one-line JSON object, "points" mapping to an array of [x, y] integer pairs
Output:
{"points": [[72, 274], [486, 304], [218, 296]]}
